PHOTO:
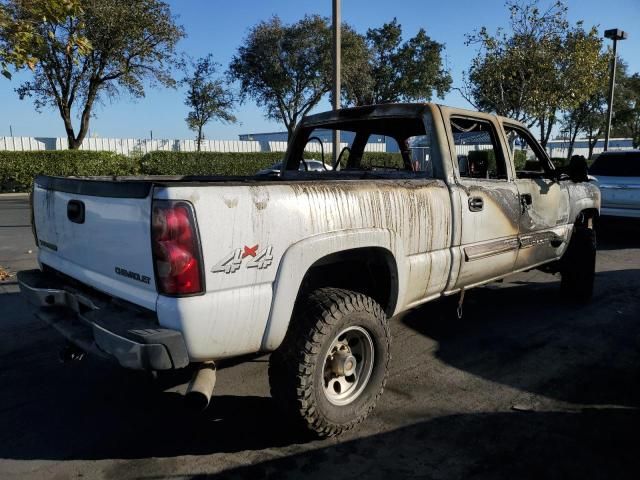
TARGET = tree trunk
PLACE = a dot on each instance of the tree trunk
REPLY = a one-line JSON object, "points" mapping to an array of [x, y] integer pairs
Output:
{"points": [[65, 113], [85, 117], [72, 144], [290, 130], [199, 136], [545, 129], [592, 144], [572, 141], [84, 129]]}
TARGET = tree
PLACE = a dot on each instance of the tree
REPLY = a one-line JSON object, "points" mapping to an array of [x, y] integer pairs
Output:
{"points": [[537, 69], [508, 73], [18, 33], [131, 42], [397, 71], [589, 117], [207, 97], [287, 68], [627, 116]]}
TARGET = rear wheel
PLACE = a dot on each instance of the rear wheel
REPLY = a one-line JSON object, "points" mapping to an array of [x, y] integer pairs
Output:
{"points": [[332, 365], [578, 264]]}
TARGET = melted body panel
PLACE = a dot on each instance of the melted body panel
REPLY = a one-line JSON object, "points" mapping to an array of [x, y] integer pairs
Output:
{"points": [[545, 214], [412, 219], [489, 244]]}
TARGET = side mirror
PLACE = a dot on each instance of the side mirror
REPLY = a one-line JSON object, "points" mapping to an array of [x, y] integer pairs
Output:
{"points": [[578, 171]]}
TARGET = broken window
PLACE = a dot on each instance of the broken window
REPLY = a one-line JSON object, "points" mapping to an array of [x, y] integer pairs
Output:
{"points": [[527, 160], [378, 144], [477, 150]]}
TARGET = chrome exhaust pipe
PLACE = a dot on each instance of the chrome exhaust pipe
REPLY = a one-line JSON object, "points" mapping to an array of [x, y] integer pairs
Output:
{"points": [[201, 386]]}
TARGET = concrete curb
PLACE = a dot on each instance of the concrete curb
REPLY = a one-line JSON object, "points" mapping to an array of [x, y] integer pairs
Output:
{"points": [[13, 195]]}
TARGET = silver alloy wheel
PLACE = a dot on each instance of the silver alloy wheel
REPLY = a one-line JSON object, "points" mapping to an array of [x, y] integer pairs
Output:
{"points": [[348, 365]]}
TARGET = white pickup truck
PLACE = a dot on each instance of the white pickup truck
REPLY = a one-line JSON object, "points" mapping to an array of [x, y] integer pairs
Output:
{"points": [[164, 273]]}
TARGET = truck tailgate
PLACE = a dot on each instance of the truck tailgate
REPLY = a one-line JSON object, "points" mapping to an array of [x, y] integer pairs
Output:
{"points": [[99, 233]]}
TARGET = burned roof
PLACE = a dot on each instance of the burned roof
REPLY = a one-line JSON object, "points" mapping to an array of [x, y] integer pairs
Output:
{"points": [[367, 111]]}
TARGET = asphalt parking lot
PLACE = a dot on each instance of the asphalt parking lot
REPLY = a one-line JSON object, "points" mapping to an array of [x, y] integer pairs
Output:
{"points": [[525, 386]]}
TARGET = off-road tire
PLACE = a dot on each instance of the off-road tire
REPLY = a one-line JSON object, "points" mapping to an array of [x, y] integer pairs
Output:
{"points": [[296, 368], [578, 265]]}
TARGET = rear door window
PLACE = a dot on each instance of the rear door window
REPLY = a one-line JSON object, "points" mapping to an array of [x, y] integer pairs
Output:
{"points": [[477, 150]]}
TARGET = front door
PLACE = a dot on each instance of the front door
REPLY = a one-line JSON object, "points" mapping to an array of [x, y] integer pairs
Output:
{"points": [[544, 201], [488, 199]]}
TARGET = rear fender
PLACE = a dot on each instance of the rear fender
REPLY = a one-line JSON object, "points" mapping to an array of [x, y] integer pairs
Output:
{"points": [[300, 256]]}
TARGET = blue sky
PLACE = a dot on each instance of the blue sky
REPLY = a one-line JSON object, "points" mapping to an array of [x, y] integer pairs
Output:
{"points": [[219, 27]]}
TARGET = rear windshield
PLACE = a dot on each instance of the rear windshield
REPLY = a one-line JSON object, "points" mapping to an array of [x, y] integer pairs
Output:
{"points": [[617, 165], [386, 143]]}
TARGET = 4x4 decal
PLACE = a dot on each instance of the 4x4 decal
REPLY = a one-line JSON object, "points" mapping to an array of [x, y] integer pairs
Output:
{"points": [[232, 262]]}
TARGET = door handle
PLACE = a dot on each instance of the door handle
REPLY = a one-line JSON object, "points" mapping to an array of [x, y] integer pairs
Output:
{"points": [[476, 204]]}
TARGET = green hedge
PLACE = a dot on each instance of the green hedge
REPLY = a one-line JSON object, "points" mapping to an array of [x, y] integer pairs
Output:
{"points": [[215, 163], [560, 162], [519, 159], [17, 169], [379, 159], [207, 163], [486, 156]]}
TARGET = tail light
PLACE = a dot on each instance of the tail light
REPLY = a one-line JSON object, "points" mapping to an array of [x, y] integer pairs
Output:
{"points": [[176, 248]]}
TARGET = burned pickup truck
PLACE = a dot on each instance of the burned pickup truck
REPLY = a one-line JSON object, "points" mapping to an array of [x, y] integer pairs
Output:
{"points": [[163, 273]]}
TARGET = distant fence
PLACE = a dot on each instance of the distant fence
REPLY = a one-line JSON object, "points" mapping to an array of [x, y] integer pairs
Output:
{"points": [[553, 151], [560, 148], [133, 146], [465, 149], [562, 152], [19, 144]]}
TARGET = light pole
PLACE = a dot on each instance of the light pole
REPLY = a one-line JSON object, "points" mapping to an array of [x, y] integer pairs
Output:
{"points": [[337, 23], [614, 34]]}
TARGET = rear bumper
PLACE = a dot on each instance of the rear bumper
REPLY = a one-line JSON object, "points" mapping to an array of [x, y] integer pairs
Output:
{"points": [[102, 326]]}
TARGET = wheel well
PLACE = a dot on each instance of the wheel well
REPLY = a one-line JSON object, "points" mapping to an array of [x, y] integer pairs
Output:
{"points": [[587, 218], [370, 270]]}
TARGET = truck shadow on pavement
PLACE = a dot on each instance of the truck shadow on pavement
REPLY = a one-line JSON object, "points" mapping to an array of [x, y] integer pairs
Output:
{"points": [[615, 233], [590, 444], [583, 354], [95, 410], [589, 356]]}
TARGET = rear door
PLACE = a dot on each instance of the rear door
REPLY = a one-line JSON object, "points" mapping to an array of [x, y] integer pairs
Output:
{"points": [[544, 201], [98, 233], [488, 198]]}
